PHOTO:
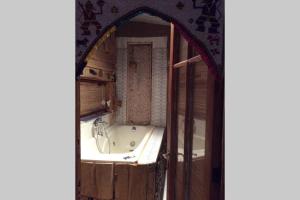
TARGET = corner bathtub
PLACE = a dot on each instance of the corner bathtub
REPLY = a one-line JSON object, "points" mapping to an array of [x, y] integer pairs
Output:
{"points": [[125, 143]]}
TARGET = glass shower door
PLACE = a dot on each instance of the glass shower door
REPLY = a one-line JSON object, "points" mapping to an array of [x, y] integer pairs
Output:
{"points": [[191, 104]]}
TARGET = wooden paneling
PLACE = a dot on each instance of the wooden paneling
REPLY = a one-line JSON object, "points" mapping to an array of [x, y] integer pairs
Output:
{"points": [[200, 188], [103, 56], [88, 186], [121, 181], [200, 90], [139, 83], [141, 29], [199, 184], [203, 102], [96, 81], [188, 128], [179, 181], [97, 180], [181, 88], [183, 49], [91, 96], [137, 183], [107, 181], [104, 178]]}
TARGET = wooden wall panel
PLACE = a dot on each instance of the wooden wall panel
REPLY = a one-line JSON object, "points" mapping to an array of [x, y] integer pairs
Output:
{"points": [[179, 181], [101, 59], [91, 96], [103, 56], [97, 180], [83, 198], [141, 29], [87, 186], [200, 91], [199, 187], [183, 49], [137, 183], [181, 90], [104, 175], [122, 181], [107, 181]]}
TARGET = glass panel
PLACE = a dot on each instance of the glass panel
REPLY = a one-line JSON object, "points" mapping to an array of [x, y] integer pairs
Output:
{"points": [[183, 49], [199, 174], [181, 99]]}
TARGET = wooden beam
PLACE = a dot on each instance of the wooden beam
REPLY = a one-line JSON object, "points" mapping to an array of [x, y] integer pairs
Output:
{"points": [[217, 139], [188, 125], [77, 139], [172, 114], [209, 132], [192, 60]]}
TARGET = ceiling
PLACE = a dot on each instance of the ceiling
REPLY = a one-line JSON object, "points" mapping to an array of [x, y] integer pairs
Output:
{"points": [[149, 19]]}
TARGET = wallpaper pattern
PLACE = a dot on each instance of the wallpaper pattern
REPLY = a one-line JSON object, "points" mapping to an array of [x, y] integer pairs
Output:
{"points": [[204, 20]]}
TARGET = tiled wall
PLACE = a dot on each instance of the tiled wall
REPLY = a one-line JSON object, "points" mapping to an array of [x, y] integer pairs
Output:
{"points": [[159, 77]]}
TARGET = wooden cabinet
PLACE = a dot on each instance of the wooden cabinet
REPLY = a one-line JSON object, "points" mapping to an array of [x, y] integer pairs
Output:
{"points": [[101, 61], [97, 84], [103, 55]]}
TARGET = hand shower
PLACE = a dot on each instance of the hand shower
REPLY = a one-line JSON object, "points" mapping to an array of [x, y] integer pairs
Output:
{"points": [[99, 129]]}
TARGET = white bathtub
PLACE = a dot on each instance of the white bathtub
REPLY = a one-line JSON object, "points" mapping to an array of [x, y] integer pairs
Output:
{"points": [[127, 144], [198, 148]]}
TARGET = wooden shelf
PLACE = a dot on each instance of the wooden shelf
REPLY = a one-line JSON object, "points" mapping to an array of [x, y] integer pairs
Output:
{"points": [[99, 111], [94, 80]]}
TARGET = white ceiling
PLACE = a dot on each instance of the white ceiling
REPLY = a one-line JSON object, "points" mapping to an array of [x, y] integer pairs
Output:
{"points": [[149, 19]]}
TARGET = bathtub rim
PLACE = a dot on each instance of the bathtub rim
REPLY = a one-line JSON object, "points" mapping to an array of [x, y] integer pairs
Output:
{"points": [[160, 132]]}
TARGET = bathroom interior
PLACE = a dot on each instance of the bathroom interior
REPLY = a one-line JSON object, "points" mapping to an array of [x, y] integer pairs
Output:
{"points": [[124, 115]]}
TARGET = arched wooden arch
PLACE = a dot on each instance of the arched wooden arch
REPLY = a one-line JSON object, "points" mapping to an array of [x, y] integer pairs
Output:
{"points": [[184, 15], [204, 47]]}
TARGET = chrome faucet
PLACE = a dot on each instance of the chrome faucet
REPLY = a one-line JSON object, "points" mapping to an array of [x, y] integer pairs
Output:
{"points": [[99, 126], [97, 121]]}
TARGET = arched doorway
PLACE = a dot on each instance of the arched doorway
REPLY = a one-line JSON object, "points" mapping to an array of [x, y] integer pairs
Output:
{"points": [[202, 48], [216, 107]]}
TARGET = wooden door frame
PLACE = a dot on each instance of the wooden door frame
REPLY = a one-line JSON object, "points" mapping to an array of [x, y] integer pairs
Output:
{"points": [[188, 124], [172, 142], [217, 163], [214, 126], [77, 139]]}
